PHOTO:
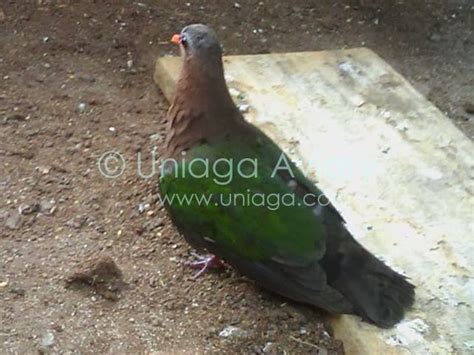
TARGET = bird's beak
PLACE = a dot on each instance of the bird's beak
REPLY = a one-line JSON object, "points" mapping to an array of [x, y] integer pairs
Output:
{"points": [[176, 39]]}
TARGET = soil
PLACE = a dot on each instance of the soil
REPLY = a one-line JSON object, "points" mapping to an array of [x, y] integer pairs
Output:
{"points": [[76, 82]]}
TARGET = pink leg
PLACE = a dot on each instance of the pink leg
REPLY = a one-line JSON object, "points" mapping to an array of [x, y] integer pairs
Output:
{"points": [[205, 263]]}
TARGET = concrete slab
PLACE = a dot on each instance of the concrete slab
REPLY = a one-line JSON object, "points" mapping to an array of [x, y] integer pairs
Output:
{"points": [[398, 170]]}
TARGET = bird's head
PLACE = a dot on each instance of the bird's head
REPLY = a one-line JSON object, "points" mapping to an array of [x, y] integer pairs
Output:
{"points": [[198, 41]]}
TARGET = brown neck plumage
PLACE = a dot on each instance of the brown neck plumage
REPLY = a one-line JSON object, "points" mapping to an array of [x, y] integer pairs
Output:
{"points": [[202, 108]]}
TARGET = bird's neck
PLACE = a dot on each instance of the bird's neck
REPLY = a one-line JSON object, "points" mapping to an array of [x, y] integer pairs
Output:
{"points": [[203, 81], [202, 108]]}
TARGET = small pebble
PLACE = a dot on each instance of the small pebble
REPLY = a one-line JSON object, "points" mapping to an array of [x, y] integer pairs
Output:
{"points": [[142, 207], [153, 224], [47, 207], [402, 127], [26, 209], [47, 339], [244, 108], [232, 332], [81, 107], [13, 221], [14, 118], [234, 92], [43, 169], [156, 137], [156, 322], [269, 348]]}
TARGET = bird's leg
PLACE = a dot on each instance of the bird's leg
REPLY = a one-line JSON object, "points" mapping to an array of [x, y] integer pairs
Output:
{"points": [[205, 263]]}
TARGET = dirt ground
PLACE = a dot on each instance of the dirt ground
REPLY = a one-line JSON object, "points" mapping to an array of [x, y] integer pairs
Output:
{"points": [[76, 82]]}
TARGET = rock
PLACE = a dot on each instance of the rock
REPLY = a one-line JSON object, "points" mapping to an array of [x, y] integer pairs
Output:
{"points": [[47, 339], [47, 207], [77, 222], [156, 137], [233, 332], [100, 273], [43, 169], [234, 92], [244, 108], [13, 221], [16, 117], [386, 114], [269, 348], [156, 322], [89, 79], [26, 209], [81, 107], [142, 207], [153, 224]]}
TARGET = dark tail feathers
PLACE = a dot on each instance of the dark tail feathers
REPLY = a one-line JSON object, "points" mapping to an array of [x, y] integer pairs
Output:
{"points": [[378, 294]]}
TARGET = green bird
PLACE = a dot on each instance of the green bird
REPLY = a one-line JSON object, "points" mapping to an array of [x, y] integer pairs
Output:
{"points": [[232, 192]]}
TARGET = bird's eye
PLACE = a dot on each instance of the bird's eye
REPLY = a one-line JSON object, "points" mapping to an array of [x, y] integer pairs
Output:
{"points": [[184, 40]]}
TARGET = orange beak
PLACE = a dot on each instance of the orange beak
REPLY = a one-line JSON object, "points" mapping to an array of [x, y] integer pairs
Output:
{"points": [[176, 39]]}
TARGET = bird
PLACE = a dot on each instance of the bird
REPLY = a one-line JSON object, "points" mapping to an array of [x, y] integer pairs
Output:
{"points": [[224, 182]]}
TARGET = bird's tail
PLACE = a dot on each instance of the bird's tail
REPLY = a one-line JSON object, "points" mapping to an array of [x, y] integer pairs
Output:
{"points": [[378, 294]]}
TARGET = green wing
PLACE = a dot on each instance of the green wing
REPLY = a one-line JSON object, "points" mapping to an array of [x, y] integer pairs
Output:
{"points": [[240, 206]]}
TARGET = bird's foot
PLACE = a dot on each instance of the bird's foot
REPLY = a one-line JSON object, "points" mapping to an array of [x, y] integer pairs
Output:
{"points": [[205, 263]]}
